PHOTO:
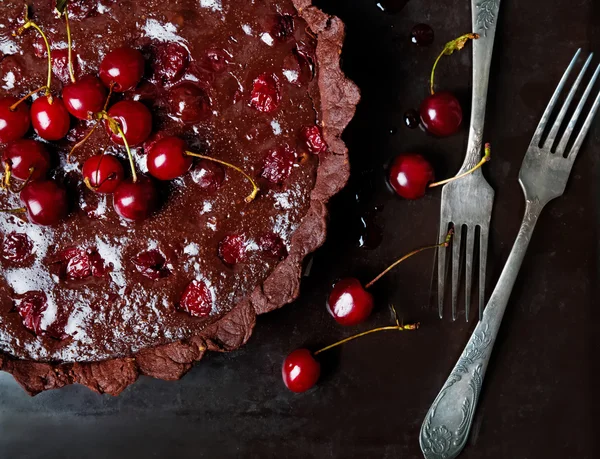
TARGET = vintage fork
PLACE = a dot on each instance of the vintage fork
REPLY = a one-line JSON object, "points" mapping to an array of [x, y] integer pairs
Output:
{"points": [[543, 177], [468, 202]]}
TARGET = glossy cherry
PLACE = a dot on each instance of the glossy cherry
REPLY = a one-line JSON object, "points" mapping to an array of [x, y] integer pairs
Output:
{"points": [[135, 120], [441, 114], [60, 64], [14, 124], [45, 201], [300, 370], [135, 201], [167, 159], [84, 97], [232, 249], [197, 299], [123, 67], [410, 174], [50, 118], [349, 303], [28, 159], [103, 173]]}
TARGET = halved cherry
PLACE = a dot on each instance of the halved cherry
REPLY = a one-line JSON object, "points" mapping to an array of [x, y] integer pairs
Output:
{"points": [[266, 93], [152, 264], [300, 371], [197, 299], [103, 173], [170, 61], [232, 249], [16, 247]]}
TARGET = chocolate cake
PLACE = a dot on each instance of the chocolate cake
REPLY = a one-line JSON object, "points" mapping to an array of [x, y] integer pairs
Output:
{"points": [[100, 296]]}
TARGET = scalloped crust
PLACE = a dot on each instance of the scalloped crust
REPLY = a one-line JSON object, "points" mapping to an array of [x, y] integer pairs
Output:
{"points": [[338, 99]]}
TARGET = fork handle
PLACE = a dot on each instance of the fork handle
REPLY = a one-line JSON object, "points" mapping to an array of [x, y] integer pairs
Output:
{"points": [[485, 16], [446, 426]]}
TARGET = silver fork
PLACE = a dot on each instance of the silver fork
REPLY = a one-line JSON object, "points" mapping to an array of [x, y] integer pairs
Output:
{"points": [[543, 177], [468, 202]]}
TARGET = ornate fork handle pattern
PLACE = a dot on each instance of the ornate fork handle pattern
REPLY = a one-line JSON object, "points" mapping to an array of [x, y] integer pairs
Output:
{"points": [[485, 14], [447, 423]]}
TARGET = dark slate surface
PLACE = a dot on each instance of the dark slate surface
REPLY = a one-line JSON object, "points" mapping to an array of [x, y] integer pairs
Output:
{"points": [[540, 398]]}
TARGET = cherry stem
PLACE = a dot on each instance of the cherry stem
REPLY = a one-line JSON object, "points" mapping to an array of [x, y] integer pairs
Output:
{"points": [[455, 45], [408, 255], [398, 327], [14, 106], [81, 142], [31, 171], [70, 46], [116, 128], [20, 210], [29, 23], [255, 188], [485, 159], [87, 182], [6, 178], [110, 91]]}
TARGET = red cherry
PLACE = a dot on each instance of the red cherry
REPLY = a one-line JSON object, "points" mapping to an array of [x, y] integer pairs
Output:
{"points": [[265, 96], [104, 173], [13, 124], [124, 67], [46, 202], [313, 138], [410, 174], [349, 303], [16, 247], [167, 159], [151, 264], [27, 159], [441, 114], [60, 63], [135, 201], [84, 97], [300, 371], [232, 249], [189, 102], [278, 164], [31, 307], [282, 27], [208, 175], [197, 299], [134, 118], [170, 61], [51, 121], [83, 264]]}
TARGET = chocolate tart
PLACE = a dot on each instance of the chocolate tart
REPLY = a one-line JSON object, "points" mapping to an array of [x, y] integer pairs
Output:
{"points": [[96, 300]]}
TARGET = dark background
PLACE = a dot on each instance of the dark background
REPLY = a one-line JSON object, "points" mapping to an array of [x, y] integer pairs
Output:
{"points": [[540, 399]]}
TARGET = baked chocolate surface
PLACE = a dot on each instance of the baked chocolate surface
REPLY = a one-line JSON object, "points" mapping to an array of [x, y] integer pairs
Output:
{"points": [[121, 310]]}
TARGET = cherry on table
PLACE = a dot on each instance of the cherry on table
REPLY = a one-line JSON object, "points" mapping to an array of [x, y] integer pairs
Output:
{"points": [[28, 159], [50, 118], [215, 60], [300, 371], [422, 35], [349, 303], [45, 201], [123, 67], [16, 247], [135, 201], [167, 159], [84, 97], [14, 124], [278, 164], [410, 175], [441, 114], [103, 173], [135, 120], [412, 119]]}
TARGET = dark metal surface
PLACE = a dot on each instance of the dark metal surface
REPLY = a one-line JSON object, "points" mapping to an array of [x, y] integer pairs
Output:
{"points": [[540, 398]]}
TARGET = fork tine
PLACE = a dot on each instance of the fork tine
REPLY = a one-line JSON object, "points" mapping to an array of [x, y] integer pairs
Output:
{"points": [[455, 266], [563, 111], [584, 129], [483, 246], [441, 270], [537, 136], [470, 243], [571, 126]]}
